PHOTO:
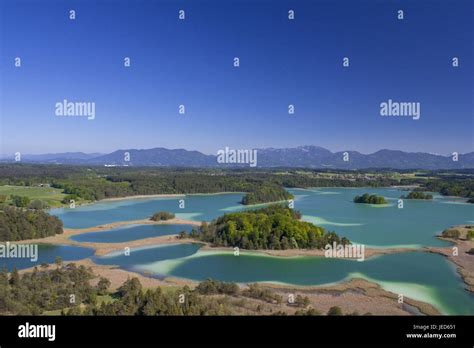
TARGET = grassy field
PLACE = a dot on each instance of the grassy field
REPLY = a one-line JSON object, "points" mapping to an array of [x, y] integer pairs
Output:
{"points": [[100, 299], [50, 195], [104, 299]]}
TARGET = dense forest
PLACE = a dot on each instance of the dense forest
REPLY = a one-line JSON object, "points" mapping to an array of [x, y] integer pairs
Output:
{"points": [[266, 194], [19, 224], [45, 289], [452, 186], [274, 227], [370, 199], [417, 195]]}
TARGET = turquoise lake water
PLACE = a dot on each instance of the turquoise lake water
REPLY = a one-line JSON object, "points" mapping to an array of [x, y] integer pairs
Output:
{"points": [[133, 232], [197, 208], [383, 226], [376, 226], [148, 255], [411, 274], [47, 253], [422, 276]]}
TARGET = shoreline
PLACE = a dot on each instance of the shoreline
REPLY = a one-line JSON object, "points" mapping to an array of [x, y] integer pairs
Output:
{"points": [[463, 262], [114, 225], [103, 248], [351, 295], [177, 195], [369, 252], [371, 294], [165, 195], [144, 197]]}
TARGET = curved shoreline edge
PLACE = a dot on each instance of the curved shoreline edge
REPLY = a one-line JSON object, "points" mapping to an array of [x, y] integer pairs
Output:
{"points": [[355, 294]]}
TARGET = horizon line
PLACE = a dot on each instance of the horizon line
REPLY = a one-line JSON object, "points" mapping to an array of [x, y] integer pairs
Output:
{"points": [[98, 154]]}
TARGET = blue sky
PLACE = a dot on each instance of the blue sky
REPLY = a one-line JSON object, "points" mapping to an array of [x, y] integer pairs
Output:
{"points": [[190, 62]]}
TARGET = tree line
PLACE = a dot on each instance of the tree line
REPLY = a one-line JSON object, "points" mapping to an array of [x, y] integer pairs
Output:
{"points": [[417, 195], [19, 224], [452, 187], [95, 183]]}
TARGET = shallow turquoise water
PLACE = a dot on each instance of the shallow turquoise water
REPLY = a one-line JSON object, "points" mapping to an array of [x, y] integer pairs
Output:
{"points": [[148, 255], [197, 208], [377, 226], [423, 276], [133, 232], [382, 226]]}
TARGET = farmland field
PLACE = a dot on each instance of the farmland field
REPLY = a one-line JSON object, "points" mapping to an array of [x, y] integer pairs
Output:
{"points": [[50, 195]]}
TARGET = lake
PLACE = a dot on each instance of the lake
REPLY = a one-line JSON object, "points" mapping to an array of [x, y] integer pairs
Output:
{"points": [[197, 208], [410, 274], [377, 226], [423, 276], [148, 255], [383, 226]]}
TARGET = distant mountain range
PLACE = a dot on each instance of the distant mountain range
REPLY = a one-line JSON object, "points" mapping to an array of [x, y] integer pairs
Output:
{"points": [[302, 156]]}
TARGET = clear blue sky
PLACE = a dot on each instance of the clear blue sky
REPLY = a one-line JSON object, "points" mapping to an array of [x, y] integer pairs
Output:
{"points": [[191, 62]]}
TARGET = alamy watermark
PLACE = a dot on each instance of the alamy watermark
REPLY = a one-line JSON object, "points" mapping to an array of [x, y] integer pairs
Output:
{"points": [[20, 251], [28, 330], [231, 156], [345, 251], [393, 108], [80, 109]]}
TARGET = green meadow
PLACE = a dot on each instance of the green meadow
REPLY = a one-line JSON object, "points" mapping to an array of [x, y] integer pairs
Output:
{"points": [[51, 196]]}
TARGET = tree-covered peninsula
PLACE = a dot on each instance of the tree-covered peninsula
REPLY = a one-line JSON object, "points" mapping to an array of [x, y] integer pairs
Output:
{"points": [[370, 199], [266, 194], [418, 195], [274, 227]]}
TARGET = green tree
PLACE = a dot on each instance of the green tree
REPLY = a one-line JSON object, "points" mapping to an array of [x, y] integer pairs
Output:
{"points": [[103, 285], [58, 261], [335, 310], [15, 277], [20, 201], [38, 205]]}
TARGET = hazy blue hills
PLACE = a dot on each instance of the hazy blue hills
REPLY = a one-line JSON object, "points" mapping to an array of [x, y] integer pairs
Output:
{"points": [[157, 157], [318, 157], [66, 157], [303, 156]]}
